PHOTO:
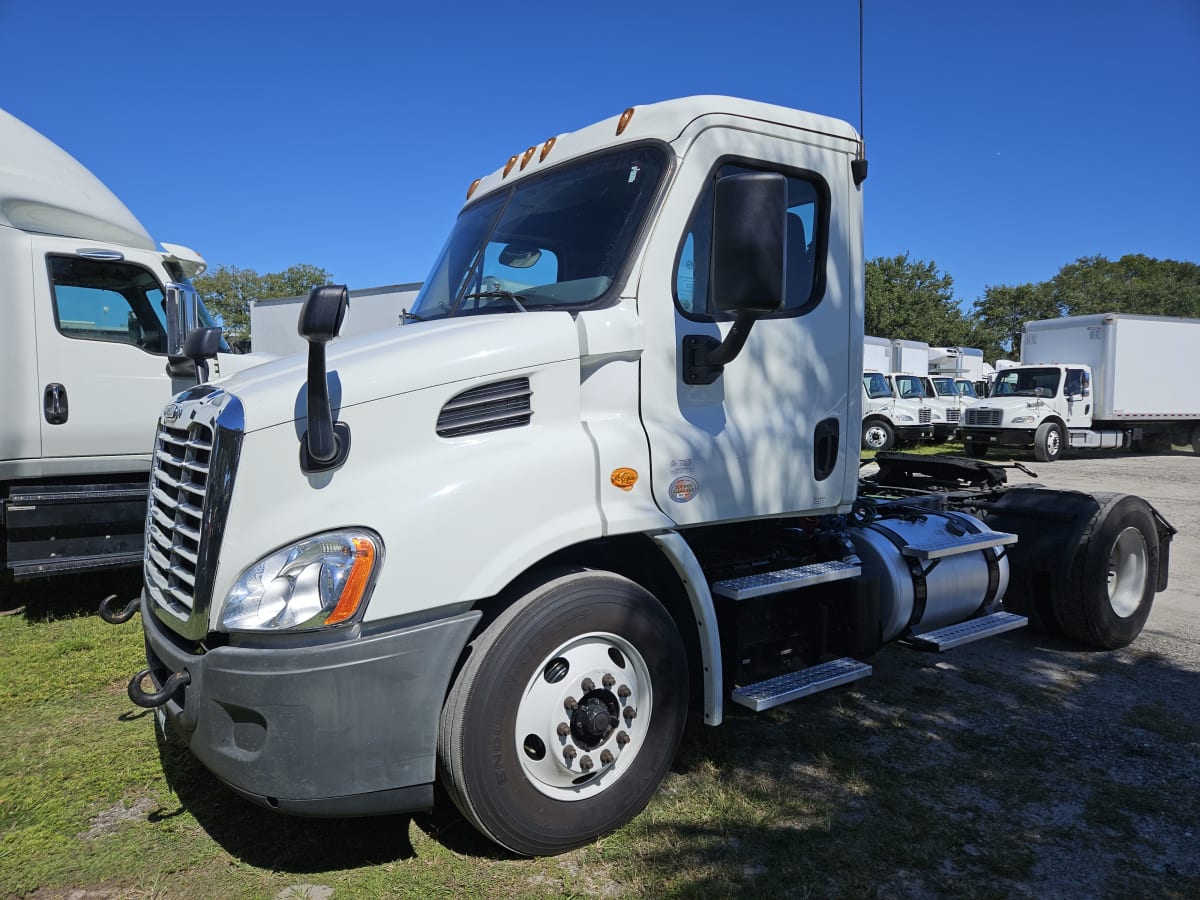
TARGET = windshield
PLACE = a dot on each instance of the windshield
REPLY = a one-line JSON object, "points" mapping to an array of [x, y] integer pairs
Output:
{"points": [[944, 387], [555, 242], [1027, 383], [908, 387], [966, 389], [876, 386]]}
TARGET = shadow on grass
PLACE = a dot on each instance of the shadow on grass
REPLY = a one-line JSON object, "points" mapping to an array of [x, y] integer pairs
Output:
{"points": [[66, 596]]}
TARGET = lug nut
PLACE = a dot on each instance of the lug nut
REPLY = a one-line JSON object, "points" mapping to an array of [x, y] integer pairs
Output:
{"points": [[585, 763], [569, 752], [588, 685], [622, 739], [608, 681], [563, 729], [606, 758], [570, 703], [623, 691], [630, 712]]}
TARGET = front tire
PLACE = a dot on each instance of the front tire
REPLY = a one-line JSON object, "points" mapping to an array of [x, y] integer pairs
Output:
{"points": [[975, 451], [566, 715], [878, 435], [1048, 442], [1114, 576]]}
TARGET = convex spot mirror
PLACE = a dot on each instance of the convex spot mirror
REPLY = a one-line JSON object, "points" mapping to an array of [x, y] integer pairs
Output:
{"points": [[517, 257]]}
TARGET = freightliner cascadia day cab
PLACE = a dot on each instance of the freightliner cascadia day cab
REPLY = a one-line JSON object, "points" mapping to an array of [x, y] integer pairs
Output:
{"points": [[95, 318], [1097, 382], [608, 473]]}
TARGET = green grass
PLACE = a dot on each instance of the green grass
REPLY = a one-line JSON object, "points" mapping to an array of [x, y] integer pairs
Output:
{"points": [[934, 782]]}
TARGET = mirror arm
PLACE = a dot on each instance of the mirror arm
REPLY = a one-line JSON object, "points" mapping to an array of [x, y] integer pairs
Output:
{"points": [[704, 357]]}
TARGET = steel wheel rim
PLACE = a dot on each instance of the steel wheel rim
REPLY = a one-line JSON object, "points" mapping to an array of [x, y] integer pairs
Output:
{"points": [[876, 437], [1052, 442], [541, 746], [1127, 568]]}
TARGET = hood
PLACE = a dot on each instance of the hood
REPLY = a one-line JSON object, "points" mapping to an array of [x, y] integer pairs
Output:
{"points": [[416, 356]]}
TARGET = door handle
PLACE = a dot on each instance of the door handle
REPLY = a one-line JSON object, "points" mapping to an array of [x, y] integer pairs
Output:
{"points": [[54, 404]]}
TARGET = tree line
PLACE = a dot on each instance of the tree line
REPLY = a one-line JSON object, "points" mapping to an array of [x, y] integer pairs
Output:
{"points": [[906, 298], [911, 299]]}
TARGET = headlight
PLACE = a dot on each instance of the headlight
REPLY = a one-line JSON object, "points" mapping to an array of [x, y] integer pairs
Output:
{"points": [[319, 581], [904, 418], [1021, 420]]}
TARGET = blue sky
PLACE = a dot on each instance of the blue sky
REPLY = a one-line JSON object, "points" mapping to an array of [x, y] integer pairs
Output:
{"points": [[1005, 139]]}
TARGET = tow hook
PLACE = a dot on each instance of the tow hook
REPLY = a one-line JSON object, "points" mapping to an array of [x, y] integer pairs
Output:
{"points": [[158, 698], [109, 615]]}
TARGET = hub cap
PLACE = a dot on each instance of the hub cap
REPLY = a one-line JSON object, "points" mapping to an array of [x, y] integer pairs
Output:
{"points": [[1127, 569]]}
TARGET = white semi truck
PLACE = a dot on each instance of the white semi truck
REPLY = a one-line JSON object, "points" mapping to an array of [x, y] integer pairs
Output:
{"points": [[95, 318], [1103, 381], [888, 420], [608, 474]]}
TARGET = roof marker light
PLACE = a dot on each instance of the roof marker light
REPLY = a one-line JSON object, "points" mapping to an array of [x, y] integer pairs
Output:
{"points": [[624, 121], [546, 147], [471, 189], [508, 166], [527, 157]]}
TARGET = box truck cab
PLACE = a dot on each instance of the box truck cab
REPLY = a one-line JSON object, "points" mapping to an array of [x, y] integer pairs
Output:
{"points": [[913, 388], [888, 420], [607, 473], [95, 317], [1098, 382]]}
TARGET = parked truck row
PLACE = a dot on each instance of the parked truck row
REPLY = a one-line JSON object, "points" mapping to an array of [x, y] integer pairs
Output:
{"points": [[607, 475]]}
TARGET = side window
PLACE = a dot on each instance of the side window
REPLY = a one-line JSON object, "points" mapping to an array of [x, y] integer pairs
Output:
{"points": [[104, 300], [806, 221]]}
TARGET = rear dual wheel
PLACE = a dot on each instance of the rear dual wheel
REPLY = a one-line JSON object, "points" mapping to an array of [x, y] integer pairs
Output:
{"points": [[566, 715]]}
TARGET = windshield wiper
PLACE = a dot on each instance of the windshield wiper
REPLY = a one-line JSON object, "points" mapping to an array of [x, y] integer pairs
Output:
{"points": [[514, 299]]}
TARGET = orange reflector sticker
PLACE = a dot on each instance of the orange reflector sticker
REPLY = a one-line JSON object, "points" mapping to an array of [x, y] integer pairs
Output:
{"points": [[624, 478]]}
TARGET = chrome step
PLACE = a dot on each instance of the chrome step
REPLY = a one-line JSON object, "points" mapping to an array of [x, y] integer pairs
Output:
{"points": [[794, 685], [763, 583], [965, 632], [953, 546]]}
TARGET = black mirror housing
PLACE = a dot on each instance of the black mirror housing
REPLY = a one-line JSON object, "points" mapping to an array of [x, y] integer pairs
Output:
{"points": [[749, 242], [181, 305], [322, 313]]}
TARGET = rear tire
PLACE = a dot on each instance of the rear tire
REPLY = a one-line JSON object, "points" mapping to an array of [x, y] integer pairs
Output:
{"points": [[1114, 576], [536, 748], [1048, 442], [878, 435]]}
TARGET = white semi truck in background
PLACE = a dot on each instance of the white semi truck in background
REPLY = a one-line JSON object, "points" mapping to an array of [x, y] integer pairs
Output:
{"points": [[95, 318], [1104, 381], [608, 473]]}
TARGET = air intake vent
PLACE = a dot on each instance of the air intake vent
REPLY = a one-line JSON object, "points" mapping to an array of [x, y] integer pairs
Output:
{"points": [[491, 407], [986, 417], [924, 415], [952, 414]]}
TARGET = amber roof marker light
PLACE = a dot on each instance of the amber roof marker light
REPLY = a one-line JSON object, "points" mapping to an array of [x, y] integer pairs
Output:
{"points": [[546, 148], [471, 189], [527, 157], [623, 122], [508, 166]]}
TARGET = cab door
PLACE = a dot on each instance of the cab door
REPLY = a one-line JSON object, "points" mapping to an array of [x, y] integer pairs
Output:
{"points": [[778, 430], [101, 350]]}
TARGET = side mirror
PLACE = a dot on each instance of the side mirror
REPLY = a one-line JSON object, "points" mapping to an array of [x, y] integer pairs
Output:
{"points": [[325, 445], [182, 307], [749, 260], [201, 345]]}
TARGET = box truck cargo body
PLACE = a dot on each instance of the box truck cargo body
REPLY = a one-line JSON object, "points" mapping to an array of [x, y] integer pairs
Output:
{"points": [[1104, 381]]}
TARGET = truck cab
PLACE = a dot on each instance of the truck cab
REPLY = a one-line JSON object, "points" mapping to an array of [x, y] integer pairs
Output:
{"points": [[916, 389], [889, 420], [1031, 407]]}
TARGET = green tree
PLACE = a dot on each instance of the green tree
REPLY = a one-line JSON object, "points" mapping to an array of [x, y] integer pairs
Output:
{"points": [[228, 292], [910, 299], [1003, 310], [1132, 284]]}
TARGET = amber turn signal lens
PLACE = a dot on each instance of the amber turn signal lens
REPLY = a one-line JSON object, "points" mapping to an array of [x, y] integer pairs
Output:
{"points": [[356, 583]]}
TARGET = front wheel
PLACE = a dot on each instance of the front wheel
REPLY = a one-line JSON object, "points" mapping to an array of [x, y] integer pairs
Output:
{"points": [[878, 435], [975, 451], [1048, 442], [566, 715]]}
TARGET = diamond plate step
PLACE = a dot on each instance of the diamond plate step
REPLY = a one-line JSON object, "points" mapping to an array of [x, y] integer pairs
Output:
{"points": [[965, 632], [794, 685], [785, 579], [953, 546]]}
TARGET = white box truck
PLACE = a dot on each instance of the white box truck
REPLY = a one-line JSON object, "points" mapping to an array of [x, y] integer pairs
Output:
{"points": [[888, 420], [608, 477], [1104, 381], [964, 365], [95, 318]]}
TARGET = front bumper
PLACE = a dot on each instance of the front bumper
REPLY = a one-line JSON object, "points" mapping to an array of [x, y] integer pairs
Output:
{"points": [[1006, 437], [334, 729], [943, 431], [913, 432]]}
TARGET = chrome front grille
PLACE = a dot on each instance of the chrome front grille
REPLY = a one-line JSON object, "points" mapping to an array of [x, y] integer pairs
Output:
{"points": [[953, 414], [924, 415], [986, 417], [175, 519], [490, 407]]}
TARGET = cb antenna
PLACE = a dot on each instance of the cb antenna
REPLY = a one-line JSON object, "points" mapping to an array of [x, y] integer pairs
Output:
{"points": [[858, 167]]}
